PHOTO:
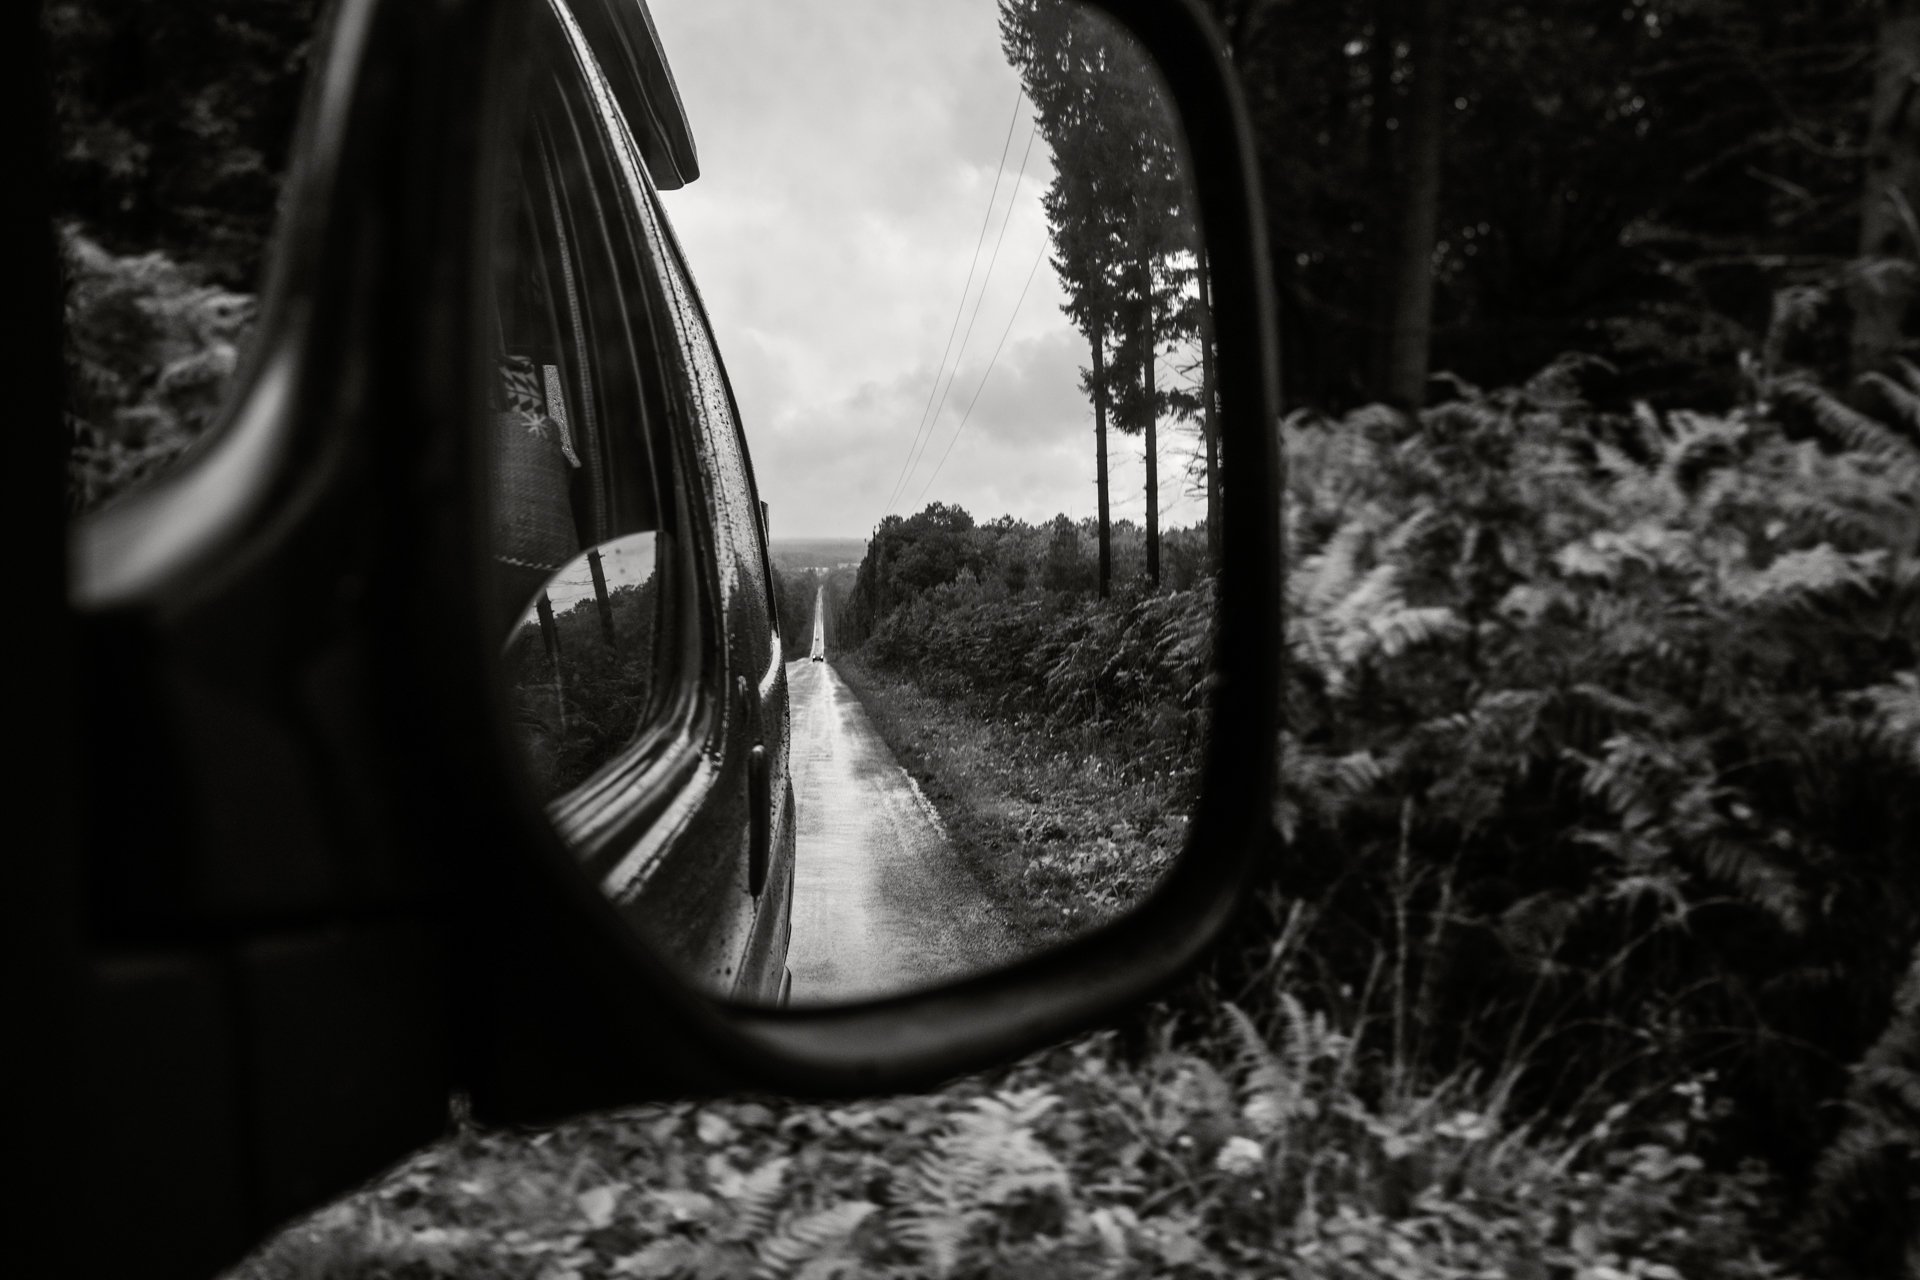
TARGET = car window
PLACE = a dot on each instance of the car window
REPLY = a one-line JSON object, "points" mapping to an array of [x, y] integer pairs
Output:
{"points": [[735, 500], [589, 553], [728, 489]]}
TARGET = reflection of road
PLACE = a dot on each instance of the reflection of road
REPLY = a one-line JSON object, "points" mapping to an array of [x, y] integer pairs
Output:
{"points": [[880, 902]]}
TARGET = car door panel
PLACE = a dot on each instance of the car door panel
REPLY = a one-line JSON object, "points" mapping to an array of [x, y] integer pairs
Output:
{"points": [[683, 876]]}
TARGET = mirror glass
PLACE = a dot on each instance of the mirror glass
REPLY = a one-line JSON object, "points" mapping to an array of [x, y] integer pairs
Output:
{"points": [[855, 604]]}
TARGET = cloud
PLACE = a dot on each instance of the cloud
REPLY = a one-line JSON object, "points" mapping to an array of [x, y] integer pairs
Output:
{"points": [[848, 150]]}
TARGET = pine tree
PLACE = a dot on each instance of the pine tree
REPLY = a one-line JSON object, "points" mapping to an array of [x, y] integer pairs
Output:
{"points": [[1121, 214]]}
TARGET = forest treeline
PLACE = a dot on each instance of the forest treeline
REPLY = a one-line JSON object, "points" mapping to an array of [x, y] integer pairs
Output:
{"points": [[1007, 618], [1477, 186]]}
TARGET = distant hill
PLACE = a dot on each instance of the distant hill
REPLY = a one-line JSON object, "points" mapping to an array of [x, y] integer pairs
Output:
{"points": [[790, 555]]}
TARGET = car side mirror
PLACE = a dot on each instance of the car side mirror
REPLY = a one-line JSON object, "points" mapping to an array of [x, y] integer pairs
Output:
{"points": [[680, 760], [319, 879]]}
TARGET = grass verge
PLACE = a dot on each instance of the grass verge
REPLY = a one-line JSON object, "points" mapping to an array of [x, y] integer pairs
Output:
{"points": [[1061, 834]]}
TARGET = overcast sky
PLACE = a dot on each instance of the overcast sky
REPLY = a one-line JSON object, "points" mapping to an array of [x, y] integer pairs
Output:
{"points": [[847, 152]]}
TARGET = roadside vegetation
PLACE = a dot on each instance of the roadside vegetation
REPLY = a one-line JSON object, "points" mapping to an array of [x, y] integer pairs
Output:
{"points": [[1061, 830], [1601, 764], [1213, 1147]]}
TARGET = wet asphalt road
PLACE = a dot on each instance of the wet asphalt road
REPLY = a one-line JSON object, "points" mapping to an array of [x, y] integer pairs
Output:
{"points": [[880, 902]]}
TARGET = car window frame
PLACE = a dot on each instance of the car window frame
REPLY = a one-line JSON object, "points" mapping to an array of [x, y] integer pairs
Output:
{"points": [[637, 807]]}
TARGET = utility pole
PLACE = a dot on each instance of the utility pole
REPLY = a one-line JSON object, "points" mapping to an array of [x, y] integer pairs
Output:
{"points": [[551, 634], [600, 598]]}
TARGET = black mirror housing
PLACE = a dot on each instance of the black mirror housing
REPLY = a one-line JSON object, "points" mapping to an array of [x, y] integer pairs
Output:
{"points": [[303, 900]]}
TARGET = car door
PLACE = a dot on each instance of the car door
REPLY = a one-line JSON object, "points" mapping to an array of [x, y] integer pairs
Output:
{"points": [[684, 816], [754, 644]]}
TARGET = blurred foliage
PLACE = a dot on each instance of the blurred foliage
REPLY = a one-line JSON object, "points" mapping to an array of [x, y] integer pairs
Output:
{"points": [[172, 130], [1626, 704], [150, 348], [1226, 1145], [174, 121]]}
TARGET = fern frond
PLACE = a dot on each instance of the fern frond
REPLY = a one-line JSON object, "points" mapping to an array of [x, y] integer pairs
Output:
{"points": [[809, 1239], [1756, 878], [1896, 717], [1410, 531], [937, 1238], [1404, 629], [1329, 576], [1635, 628], [1861, 432], [1310, 1038], [1375, 595], [1633, 778], [1901, 395], [1265, 1091], [1866, 1172], [1829, 509], [987, 1158], [1803, 582], [1325, 786], [757, 1206]]}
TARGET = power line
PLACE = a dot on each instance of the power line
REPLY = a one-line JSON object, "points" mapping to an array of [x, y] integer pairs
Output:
{"points": [[986, 218], [1031, 272], [985, 282]]}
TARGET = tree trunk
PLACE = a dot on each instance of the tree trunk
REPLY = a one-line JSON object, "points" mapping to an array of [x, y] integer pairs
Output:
{"points": [[602, 600], [1882, 295], [1098, 340], [1150, 412], [1425, 132], [1378, 353], [1209, 423]]}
